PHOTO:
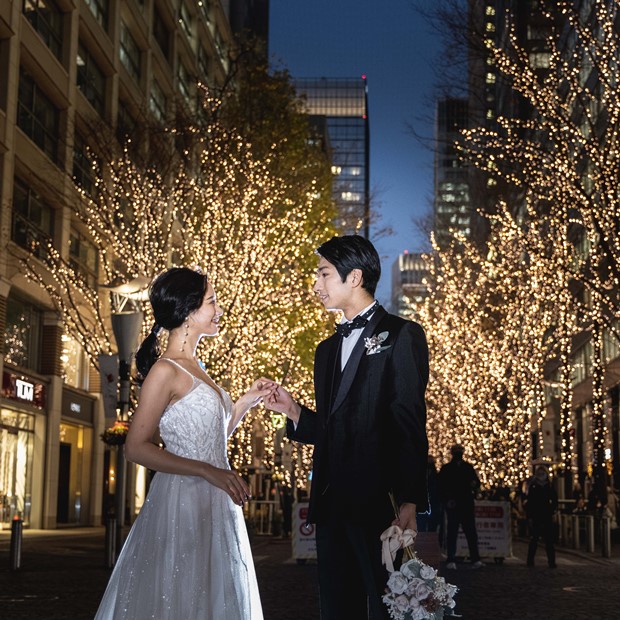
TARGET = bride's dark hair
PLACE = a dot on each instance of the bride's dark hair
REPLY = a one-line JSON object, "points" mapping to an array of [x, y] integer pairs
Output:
{"points": [[174, 295]]}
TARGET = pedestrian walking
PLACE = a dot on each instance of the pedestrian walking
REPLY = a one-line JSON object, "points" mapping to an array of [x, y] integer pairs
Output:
{"points": [[541, 504], [458, 485]]}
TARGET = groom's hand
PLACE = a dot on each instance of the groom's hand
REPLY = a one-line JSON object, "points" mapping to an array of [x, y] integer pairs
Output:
{"points": [[407, 517], [281, 401]]}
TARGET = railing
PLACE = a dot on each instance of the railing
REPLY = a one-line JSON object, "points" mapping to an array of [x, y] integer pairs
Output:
{"points": [[583, 530], [261, 515]]}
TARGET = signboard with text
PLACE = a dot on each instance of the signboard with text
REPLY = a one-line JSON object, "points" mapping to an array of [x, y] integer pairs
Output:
{"points": [[303, 536], [493, 527], [23, 389]]}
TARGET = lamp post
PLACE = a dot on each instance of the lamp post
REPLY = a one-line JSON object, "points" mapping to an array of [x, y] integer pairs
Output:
{"points": [[127, 321]]}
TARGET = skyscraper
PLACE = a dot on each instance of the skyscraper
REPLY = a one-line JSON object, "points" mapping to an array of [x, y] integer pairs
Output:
{"points": [[344, 104]]}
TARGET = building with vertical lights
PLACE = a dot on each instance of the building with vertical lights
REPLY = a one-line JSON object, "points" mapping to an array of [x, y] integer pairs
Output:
{"points": [[343, 102], [409, 272], [452, 212], [64, 66]]}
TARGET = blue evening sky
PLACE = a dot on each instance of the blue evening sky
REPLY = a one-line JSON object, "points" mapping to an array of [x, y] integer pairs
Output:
{"points": [[394, 47]]}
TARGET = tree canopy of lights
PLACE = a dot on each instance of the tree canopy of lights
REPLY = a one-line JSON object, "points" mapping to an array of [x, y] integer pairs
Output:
{"points": [[246, 196], [507, 315]]}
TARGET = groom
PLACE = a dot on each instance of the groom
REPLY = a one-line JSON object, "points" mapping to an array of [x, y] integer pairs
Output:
{"points": [[368, 430]]}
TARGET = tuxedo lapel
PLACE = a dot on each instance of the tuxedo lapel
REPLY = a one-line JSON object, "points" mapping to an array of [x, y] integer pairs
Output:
{"points": [[350, 370], [324, 374]]}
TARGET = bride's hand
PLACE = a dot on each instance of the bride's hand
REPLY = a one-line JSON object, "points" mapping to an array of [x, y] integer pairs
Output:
{"points": [[230, 482], [258, 390]]}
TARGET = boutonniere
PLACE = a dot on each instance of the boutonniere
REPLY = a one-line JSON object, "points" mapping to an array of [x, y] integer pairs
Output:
{"points": [[374, 343]]}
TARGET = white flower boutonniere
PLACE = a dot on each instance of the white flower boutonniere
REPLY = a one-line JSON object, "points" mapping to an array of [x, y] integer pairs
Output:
{"points": [[374, 344]]}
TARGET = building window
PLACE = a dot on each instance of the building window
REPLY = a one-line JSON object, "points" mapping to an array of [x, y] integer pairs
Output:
{"points": [[157, 102], [161, 34], [84, 259], [185, 19], [540, 60], [46, 19], [100, 9], [130, 53], [90, 79], [32, 223], [37, 116], [203, 63], [204, 7], [83, 173], [22, 340], [74, 363], [125, 123], [185, 82]]}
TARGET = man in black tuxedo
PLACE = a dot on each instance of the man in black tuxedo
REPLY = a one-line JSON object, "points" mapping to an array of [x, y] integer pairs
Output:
{"points": [[369, 430]]}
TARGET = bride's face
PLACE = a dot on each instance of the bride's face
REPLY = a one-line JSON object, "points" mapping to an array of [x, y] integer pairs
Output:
{"points": [[207, 317]]}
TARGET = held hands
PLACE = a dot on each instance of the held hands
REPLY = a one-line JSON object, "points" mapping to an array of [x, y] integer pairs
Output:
{"points": [[257, 392], [281, 401]]}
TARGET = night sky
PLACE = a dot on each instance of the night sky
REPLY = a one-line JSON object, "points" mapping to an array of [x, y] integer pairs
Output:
{"points": [[394, 47]]}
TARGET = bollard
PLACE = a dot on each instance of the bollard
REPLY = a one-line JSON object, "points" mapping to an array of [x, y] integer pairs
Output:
{"points": [[590, 533], [15, 553], [565, 521], [606, 537], [110, 542], [576, 541]]}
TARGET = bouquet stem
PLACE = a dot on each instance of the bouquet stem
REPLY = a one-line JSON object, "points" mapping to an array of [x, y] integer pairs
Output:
{"points": [[408, 552]]}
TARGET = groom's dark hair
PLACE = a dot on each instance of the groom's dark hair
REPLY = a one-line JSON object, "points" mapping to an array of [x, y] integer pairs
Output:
{"points": [[353, 252]]}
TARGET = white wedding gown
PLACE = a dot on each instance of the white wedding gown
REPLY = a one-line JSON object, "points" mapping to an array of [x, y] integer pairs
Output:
{"points": [[187, 556]]}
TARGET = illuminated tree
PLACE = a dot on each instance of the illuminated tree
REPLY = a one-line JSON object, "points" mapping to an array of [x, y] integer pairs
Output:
{"points": [[563, 160], [251, 216]]}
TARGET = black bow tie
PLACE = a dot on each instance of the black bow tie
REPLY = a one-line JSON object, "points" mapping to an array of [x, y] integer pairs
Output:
{"points": [[345, 329]]}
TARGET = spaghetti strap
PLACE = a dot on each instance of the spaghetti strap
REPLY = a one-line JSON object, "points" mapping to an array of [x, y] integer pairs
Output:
{"points": [[179, 366]]}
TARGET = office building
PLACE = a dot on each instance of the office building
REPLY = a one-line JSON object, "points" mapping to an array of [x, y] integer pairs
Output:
{"points": [[343, 102], [66, 66]]}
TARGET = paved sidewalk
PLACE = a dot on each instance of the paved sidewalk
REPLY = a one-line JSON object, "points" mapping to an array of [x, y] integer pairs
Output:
{"points": [[63, 577]]}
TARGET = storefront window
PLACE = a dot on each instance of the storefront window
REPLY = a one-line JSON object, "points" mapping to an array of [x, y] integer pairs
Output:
{"points": [[73, 474], [16, 453]]}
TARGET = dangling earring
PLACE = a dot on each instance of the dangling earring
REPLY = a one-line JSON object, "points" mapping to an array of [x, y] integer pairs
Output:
{"points": [[185, 335]]}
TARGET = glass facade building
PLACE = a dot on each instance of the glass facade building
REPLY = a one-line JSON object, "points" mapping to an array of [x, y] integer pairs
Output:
{"points": [[343, 102]]}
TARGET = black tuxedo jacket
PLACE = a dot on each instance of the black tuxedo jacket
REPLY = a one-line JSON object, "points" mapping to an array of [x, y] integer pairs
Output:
{"points": [[370, 435]]}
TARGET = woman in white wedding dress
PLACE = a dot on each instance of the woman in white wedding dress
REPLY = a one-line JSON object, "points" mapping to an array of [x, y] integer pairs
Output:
{"points": [[187, 556]]}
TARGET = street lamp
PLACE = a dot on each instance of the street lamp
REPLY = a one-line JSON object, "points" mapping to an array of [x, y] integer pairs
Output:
{"points": [[127, 319]]}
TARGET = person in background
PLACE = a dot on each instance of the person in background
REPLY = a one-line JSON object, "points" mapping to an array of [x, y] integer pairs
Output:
{"points": [[541, 503], [458, 485]]}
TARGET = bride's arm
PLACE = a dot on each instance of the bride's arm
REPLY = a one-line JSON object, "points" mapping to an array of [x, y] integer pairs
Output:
{"points": [[156, 393], [258, 390]]}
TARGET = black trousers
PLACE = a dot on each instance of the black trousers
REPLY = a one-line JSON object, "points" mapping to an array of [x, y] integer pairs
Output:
{"points": [[465, 517], [541, 528], [352, 578]]}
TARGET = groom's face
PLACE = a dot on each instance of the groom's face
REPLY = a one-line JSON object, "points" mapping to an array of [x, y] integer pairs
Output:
{"points": [[331, 290]]}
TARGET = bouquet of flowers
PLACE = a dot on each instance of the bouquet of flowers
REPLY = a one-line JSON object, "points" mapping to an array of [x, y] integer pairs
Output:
{"points": [[115, 435], [415, 591]]}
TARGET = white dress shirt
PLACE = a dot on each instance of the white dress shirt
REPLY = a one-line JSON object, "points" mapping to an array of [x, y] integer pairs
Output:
{"points": [[348, 343]]}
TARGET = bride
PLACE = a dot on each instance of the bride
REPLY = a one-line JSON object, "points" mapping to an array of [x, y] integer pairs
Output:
{"points": [[187, 554]]}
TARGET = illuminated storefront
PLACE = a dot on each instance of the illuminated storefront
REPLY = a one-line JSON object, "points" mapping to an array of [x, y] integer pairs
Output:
{"points": [[23, 402]]}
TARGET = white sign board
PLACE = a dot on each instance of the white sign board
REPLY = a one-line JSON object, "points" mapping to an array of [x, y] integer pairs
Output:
{"points": [[303, 537], [493, 527]]}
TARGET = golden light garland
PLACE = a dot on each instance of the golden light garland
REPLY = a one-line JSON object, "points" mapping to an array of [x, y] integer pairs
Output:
{"points": [[498, 316], [252, 229]]}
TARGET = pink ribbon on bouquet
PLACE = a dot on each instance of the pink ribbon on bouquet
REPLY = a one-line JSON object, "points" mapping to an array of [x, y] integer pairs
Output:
{"points": [[393, 539]]}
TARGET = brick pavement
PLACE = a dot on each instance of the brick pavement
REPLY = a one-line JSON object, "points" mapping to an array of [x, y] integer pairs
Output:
{"points": [[63, 577]]}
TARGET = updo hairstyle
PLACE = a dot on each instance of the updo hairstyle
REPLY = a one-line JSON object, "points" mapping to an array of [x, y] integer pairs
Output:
{"points": [[174, 295]]}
